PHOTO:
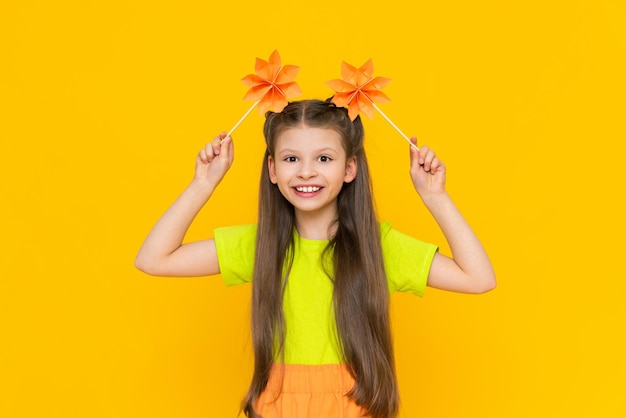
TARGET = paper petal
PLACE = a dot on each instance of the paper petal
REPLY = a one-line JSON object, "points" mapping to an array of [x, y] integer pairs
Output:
{"points": [[291, 89], [353, 109], [286, 74], [279, 103], [342, 99], [340, 86], [275, 58], [264, 105], [253, 80], [377, 96], [263, 70], [272, 100], [377, 83], [257, 92], [348, 72], [268, 69], [367, 69], [365, 105], [364, 74]]}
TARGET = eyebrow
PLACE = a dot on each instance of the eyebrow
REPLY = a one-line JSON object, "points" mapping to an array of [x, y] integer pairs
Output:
{"points": [[322, 150]]}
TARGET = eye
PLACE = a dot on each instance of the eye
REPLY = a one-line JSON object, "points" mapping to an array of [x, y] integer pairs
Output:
{"points": [[290, 159], [325, 158]]}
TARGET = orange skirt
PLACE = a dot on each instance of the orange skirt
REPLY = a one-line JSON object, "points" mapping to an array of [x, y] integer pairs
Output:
{"points": [[305, 391]]}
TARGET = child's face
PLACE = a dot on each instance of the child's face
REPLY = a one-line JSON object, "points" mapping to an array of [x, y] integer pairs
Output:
{"points": [[310, 167]]}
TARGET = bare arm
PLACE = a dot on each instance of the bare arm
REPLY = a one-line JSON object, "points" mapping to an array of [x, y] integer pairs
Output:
{"points": [[163, 253], [469, 270]]}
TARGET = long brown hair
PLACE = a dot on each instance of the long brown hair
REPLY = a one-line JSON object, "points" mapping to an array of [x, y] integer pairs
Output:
{"points": [[360, 295]]}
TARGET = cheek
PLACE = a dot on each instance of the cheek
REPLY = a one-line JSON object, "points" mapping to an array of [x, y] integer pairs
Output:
{"points": [[281, 175]]}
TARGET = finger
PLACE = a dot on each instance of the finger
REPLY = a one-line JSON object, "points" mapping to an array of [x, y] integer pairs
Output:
{"points": [[413, 142], [435, 164], [423, 152], [428, 160], [215, 145], [209, 150], [223, 135], [227, 149], [202, 156]]}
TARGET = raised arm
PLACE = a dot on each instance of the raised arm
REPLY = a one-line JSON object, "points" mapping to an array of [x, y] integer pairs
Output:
{"points": [[163, 253], [469, 270]]}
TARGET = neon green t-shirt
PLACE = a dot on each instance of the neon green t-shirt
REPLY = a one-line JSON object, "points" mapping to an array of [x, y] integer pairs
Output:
{"points": [[309, 317]]}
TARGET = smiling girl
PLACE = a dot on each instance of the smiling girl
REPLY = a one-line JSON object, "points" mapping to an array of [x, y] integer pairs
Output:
{"points": [[322, 266]]}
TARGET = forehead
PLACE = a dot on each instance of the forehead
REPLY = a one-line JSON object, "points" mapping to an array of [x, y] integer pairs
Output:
{"points": [[308, 139]]}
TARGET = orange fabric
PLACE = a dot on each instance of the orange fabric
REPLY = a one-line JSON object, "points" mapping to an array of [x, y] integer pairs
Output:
{"points": [[308, 391]]}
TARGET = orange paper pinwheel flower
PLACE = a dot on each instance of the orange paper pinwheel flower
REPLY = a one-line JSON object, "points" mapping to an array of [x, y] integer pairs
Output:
{"points": [[358, 89], [272, 84]]}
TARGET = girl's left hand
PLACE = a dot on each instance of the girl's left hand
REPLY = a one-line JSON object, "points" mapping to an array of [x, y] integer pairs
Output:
{"points": [[428, 173]]}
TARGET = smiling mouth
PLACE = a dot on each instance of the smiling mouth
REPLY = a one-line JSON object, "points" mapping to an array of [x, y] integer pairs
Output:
{"points": [[308, 189]]}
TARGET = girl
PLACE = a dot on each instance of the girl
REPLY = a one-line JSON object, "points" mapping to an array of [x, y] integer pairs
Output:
{"points": [[321, 264]]}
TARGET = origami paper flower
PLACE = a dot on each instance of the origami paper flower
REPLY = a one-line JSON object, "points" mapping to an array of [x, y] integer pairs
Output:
{"points": [[358, 89], [272, 84]]}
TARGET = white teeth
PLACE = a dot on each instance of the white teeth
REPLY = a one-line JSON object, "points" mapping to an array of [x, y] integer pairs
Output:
{"points": [[308, 189]]}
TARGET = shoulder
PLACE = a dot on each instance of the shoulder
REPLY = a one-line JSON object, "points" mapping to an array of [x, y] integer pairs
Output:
{"points": [[235, 231], [235, 247], [393, 237], [407, 260], [385, 227], [230, 240], [389, 234]]}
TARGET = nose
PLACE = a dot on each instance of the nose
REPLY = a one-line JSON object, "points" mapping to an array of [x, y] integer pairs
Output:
{"points": [[306, 171]]}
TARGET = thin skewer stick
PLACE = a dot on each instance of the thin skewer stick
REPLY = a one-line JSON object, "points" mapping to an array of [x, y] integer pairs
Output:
{"points": [[241, 120], [395, 127]]}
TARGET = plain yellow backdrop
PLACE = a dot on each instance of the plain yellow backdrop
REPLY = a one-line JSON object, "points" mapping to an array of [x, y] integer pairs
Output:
{"points": [[104, 106]]}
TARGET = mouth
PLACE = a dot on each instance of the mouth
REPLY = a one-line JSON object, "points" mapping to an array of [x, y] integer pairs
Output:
{"points": [[307, 189]]}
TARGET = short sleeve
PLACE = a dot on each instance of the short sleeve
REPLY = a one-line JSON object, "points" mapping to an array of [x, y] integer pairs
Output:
{"points": [[235, 253], [407, 260]]}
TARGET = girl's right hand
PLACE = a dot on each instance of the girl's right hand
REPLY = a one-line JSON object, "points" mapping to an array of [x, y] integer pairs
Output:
{"points": [[215, 159]]}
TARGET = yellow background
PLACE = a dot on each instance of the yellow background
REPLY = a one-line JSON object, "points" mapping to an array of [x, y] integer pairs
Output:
{"points": [[105, 104]]}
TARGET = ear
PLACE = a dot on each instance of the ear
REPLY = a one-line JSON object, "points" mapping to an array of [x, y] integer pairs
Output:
{"points": [[271, 167], [351, 169]]}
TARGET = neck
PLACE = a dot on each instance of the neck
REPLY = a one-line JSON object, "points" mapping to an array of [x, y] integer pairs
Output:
{"points": [[316, 225]]}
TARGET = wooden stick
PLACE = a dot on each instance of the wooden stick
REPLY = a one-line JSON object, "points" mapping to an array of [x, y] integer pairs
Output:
{"points": [[394, 125], [242, 118]]}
